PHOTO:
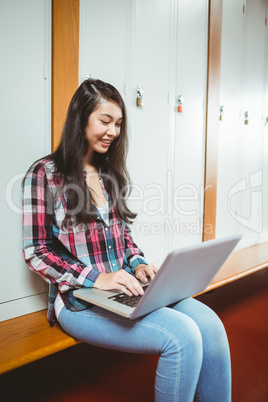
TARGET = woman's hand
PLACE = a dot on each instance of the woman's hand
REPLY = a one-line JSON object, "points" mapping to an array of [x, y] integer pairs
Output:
{"points": [[143, 271], [119, 280]]}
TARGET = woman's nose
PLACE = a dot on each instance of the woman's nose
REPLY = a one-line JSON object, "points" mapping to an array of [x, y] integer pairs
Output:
{"points": [[112, 130]]}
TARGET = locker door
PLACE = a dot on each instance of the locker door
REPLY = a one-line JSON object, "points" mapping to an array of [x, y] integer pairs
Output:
{"points": [[251, 209], [103, 41], [150, 128], [189, 140], [25, 31], [264, 233], [233, 25], [127, 44], [240, 170]]}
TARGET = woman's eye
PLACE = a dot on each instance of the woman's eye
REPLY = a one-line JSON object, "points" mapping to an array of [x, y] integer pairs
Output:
{"points": [[104, 122]]}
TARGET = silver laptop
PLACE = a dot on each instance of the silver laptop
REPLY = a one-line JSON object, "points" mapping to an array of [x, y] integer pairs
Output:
{"points": [[184, 273]]}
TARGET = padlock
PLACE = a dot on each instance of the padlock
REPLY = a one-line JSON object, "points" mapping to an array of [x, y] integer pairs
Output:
{"points": [[180, 102], [246, 118], [139, 98], [139, 101], [221, 113]]}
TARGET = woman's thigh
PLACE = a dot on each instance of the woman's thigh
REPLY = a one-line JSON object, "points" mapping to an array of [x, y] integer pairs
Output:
{"points": [[166, 332], [150, 334]]}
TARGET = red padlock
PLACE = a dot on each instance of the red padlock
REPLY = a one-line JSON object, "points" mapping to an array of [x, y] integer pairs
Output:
{"points": [[180, 102]]}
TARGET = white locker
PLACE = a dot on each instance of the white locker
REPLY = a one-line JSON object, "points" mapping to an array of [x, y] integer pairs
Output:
{"points": [[264, 232], [252, 133], [103, 41], [25, 32], [152, 43], [233, 23], [137, 53], [149, 149], [240, 172], [189, 133]]}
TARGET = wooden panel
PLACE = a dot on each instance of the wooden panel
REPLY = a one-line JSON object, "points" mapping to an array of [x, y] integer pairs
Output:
{"points": [[29, 338], [65, 61], [212, 125]]}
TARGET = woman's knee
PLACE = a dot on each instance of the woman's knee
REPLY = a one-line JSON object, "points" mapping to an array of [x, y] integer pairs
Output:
{"points": [[183, 335], [207, 320], [211, 327]]}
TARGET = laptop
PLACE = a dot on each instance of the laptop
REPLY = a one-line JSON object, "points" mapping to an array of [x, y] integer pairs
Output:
{"points": [[184, 273]]}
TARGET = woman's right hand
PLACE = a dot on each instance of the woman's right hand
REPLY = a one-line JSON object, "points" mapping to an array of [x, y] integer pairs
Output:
{"points": [[119, 280]]}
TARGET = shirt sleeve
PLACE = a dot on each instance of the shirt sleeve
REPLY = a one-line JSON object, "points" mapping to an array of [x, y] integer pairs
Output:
{"points": [[133, 253], [40, 249]]}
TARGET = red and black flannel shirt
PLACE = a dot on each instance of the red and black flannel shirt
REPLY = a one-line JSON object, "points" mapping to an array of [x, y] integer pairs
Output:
{"points": [[73, 258]]}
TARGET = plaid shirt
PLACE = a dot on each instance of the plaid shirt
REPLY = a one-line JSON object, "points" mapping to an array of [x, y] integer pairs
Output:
{"points": [[73, 258]]}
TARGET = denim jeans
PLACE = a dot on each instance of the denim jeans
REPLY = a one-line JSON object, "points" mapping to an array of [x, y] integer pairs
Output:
{"points": [[194, 357]]}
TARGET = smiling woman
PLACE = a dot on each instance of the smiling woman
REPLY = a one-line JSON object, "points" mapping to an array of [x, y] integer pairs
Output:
{"points": [[76, 235], [75, 213]]}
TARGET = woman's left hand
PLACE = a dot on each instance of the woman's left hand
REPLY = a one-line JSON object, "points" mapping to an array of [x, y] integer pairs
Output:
{"points": [[143, 272]]}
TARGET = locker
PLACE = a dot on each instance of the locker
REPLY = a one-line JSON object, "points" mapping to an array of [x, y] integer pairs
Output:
{"points": [[25, 127], [241, 164], [166, 150]]}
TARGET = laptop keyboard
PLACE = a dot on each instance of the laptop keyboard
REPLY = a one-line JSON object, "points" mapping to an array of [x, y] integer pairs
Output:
{"points": [[130, 301]]}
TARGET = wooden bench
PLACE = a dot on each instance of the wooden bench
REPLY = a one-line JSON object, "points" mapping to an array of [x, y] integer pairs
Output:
{"points": [[28, 338]]}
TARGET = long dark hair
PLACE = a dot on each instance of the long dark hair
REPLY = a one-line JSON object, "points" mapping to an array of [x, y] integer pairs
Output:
{"points": [[69, 156]]}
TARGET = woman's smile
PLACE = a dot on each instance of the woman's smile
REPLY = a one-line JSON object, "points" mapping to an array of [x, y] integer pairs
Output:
{"points": [[106, 142]]}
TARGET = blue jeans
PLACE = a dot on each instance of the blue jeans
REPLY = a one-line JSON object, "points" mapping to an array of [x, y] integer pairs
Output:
{"points": [[194, 358]]}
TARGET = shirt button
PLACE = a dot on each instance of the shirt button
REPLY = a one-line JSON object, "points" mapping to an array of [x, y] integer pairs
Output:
{"points": [[113, 265], [106, 229], [109, 246]]}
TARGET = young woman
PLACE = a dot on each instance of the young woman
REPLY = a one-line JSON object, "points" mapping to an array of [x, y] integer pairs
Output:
{"points": [[76, 234]]}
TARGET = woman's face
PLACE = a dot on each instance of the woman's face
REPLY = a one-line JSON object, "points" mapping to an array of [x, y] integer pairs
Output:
{"points": [[103, 126]]}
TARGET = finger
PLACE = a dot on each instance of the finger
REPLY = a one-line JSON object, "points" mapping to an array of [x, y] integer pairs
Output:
{"points": [[131, 284], [134, 287], [151, 271], [124, 289], [142, 276]]}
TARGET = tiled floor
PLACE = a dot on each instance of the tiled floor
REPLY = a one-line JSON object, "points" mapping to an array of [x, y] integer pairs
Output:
{"points": [[84, 373]]}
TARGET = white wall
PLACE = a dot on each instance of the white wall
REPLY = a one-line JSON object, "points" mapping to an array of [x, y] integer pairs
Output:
{"points": [[25, 80]]}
